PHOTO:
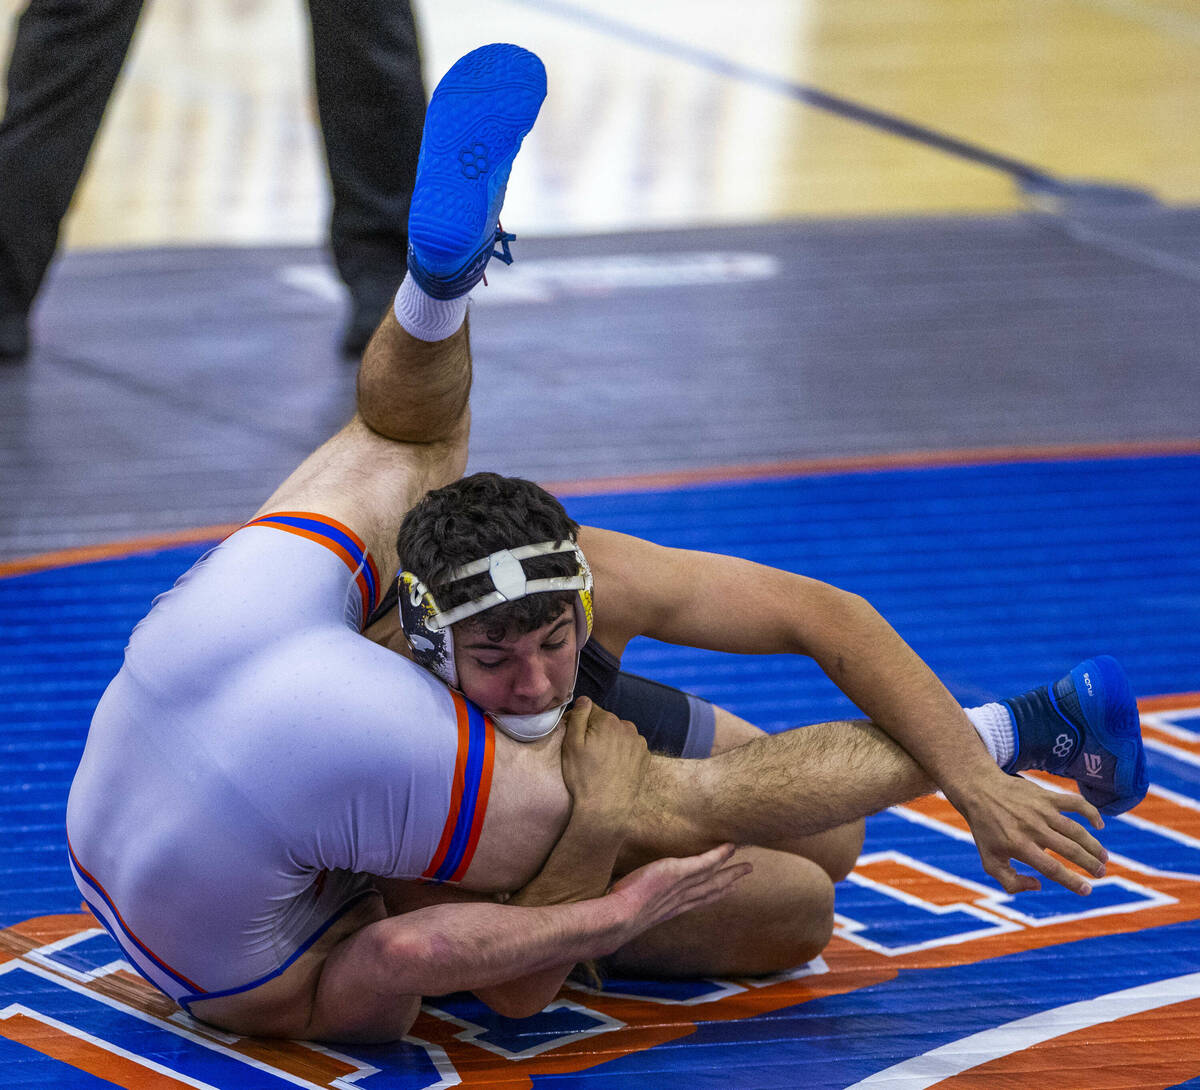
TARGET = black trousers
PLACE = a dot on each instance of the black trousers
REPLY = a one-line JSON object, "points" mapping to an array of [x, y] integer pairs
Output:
{"points": [[66, 57]]}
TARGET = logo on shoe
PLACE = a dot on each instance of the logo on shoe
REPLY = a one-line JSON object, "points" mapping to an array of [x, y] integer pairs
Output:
{"points": [[1092, 763], [474, 161], [1087, 683], [1063, 745]]}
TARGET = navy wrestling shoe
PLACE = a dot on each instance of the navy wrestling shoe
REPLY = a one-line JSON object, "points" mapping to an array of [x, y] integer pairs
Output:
{"points": [[477, 117], [1086, 727]]}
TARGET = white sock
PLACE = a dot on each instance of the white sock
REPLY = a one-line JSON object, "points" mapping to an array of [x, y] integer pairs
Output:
{"points": [[426, 318], [995, 726]]}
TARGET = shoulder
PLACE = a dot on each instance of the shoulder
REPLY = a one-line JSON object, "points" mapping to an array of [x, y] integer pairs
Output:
{"points": [[626, 588]]}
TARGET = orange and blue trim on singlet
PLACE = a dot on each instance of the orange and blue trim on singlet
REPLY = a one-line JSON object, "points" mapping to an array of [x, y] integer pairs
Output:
{"points": [[470, 789], [119, 930], [468, 795], [338, 538], [186, 991]]}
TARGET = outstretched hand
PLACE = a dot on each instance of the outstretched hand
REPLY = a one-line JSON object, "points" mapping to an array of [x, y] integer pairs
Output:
{"points": [[1014, 818], [666, 888]]}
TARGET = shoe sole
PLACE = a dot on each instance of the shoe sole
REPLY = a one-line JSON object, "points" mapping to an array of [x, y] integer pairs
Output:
{"points": [[477, 118], [1110, 709]]}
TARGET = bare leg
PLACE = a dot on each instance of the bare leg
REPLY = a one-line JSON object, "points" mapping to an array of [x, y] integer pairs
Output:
{"points": [[778, 791], [776, 918], [411, 390], [834, 850]]}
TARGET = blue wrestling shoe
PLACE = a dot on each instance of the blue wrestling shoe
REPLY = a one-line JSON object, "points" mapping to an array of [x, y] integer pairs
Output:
{"points": [[1086, 727], [478, 115]]}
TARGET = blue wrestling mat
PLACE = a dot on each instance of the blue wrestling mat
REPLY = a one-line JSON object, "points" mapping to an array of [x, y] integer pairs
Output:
{"points": [[1001, 576]]}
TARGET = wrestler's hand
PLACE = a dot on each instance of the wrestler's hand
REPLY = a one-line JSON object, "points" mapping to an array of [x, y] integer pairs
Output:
{"points": [[666, 888], [1014, 818], [603, 762]]}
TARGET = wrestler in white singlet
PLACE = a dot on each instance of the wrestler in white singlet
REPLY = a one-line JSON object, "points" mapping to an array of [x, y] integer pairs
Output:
{"points": [[269, 759]]}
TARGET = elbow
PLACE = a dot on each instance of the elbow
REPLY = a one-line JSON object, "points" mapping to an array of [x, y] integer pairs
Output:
{"points": [[850, 612], [824, 610], [513, 1002]]}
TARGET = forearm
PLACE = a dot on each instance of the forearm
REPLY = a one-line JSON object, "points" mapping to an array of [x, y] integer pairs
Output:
{"points": [[372, 979], [580, 867], [456, 947], [581, 864], [874, 667], [677, 596], [476, 946]]}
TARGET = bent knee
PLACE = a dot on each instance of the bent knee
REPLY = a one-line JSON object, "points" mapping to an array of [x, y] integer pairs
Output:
{"points": [[787, 932], [806, 934], [847, 847]]}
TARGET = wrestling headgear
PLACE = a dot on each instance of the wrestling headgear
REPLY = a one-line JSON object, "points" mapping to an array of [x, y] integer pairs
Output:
{"points": [[428, 630]]}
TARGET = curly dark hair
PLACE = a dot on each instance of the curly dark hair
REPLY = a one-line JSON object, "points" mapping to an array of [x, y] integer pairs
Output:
{"points": [[474, 517]]}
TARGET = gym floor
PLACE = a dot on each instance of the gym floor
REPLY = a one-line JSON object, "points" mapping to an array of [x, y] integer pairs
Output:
{"points": [[901, 295]]}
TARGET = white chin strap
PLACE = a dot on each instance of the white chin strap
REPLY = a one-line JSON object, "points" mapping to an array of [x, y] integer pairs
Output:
{"points": [[529, 728]]}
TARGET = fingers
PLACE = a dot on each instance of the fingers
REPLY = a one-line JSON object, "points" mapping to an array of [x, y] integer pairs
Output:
{"points": [[715, 887], [1079, 805], [1076, 845], [1036, 854], [1010, 881], [577, 718], [586, 716], [714, 857], [1072, 841], [1072, 853], [1028, 825], [703, 879], [1059, 872]]}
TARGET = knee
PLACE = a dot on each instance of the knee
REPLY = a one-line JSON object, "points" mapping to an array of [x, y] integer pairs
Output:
{"points": [[796, 930], [809, 932], [846, 849]]}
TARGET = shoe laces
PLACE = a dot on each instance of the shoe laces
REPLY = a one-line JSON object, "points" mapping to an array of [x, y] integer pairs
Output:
{"points": [[503, 238]]}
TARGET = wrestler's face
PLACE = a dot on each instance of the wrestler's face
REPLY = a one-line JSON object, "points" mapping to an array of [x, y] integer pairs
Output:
{"points": [[509, 673]]}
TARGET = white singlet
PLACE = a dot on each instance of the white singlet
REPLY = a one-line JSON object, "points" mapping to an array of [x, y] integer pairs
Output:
{"points": [[256, 760]]}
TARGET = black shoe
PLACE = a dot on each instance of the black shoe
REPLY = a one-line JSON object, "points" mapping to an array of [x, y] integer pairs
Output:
{"points": [[14, 337]]}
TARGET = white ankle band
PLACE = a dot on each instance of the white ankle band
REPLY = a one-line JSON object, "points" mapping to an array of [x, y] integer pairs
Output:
{"points": [[424, 317], [995, 727]]}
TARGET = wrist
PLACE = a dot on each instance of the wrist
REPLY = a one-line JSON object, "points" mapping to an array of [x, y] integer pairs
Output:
{"points": [[621, 911], [600, 819], [970, 785], [965, 765]]}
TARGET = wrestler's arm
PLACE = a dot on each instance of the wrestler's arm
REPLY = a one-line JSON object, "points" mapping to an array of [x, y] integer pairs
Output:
{"points": [[728, 604], [371, 985], [603, 763], [724, 603]]}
